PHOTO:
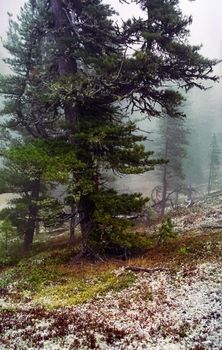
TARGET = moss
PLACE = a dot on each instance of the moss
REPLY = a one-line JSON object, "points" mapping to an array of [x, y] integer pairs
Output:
{"points": [[56, 256], [29, 276], [78, 291], [47, 278]]}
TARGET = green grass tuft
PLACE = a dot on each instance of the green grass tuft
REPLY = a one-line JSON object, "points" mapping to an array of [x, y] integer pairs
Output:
{"points": [[77, 291]]}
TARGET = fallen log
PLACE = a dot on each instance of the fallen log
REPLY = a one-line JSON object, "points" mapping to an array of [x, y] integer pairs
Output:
{"points": [[145, 269], [211, 227]]}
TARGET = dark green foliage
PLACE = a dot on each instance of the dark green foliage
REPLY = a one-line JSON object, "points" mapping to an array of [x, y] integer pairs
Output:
{"points": [[36, 276], [7, 235], [29, 171], [115, 231], [17, 213]]}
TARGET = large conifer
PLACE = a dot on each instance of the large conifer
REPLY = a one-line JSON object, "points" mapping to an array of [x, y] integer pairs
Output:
{"points": [[74, 71]]}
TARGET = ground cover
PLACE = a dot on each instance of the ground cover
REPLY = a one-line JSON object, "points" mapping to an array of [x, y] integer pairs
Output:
{"points": [[50, 301]]}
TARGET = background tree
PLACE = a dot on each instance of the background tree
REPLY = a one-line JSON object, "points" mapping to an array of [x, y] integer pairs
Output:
{"points": [[31, 170], [22, 176], [172, 141], [214, 180], [198, 107]]}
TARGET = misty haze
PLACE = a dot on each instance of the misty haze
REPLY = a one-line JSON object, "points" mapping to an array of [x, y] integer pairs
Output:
{"points": [[110, 174]]}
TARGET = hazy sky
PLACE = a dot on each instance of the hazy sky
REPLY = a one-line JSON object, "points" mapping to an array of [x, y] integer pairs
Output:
{"points": [[206, 28]]}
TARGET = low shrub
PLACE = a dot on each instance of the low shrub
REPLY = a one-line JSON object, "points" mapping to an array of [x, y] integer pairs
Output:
{"points": [[166, 231]]}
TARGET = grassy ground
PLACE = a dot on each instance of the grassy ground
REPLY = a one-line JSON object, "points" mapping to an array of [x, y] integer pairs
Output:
{"points": [[47, 277], [50, 301]]}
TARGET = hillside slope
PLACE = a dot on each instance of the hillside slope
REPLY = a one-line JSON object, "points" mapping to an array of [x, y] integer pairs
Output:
{"points": [[176, 304]]}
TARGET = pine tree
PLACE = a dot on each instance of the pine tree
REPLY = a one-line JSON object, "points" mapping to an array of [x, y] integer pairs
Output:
{"points": [[214, 180], [74, 69], [198, 107], [23, 173], [172, 143]]}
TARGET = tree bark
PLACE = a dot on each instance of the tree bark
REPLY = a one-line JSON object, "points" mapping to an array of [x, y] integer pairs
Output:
{"points": [[177, 199], [67, 65], [164, 194], [87, 222], [33, 215]]}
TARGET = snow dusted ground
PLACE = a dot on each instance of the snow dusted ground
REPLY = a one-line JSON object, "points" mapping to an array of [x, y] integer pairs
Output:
{"points": [[206, 213], [160, 311], [201, 219]]}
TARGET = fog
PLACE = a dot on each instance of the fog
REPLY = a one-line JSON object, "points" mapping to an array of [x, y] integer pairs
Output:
{"points": [[203, 108]]}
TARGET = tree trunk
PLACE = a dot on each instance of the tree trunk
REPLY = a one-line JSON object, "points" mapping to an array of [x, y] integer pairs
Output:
{"points": [[177, 199], [164, 180], [190, 193], [67, 65], [209, 187], [87, 223], [72, 224], [37, 227], [164, 193], [33, 215]]}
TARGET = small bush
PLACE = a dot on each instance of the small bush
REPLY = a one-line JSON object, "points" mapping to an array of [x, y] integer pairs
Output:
{"points": [[119, 240], [114, 232], [166, 231], [131, 240], [9, 260]]}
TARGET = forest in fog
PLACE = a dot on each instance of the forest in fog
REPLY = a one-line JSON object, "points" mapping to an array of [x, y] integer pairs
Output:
{"points": [[201, 145], [86, 123], [110, 175]]}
